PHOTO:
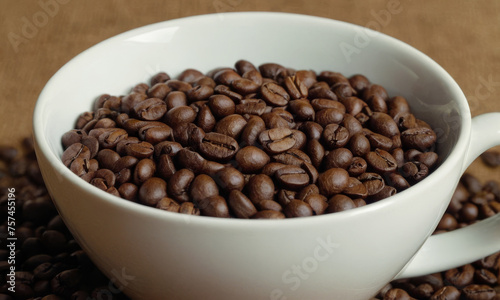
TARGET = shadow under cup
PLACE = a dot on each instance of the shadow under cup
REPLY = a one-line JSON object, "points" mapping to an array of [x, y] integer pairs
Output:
{"points": [[207, 42]]}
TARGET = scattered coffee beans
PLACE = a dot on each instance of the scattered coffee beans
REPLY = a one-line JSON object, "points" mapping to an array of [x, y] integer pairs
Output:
{"points": [[268, 131], [51, 265]]}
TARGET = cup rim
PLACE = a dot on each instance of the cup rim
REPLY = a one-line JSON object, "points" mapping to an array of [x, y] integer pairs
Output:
{"points": [[454, 157]]}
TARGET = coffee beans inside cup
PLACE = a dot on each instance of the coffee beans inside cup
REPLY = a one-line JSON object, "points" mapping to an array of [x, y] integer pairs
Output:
{"points": [[252, 142], [51, 265]]}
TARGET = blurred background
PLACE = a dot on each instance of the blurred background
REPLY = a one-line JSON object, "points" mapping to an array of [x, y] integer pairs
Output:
{"points": [[38, 37]]}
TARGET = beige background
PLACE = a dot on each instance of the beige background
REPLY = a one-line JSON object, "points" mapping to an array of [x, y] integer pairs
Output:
{"points": [[38, 37]]}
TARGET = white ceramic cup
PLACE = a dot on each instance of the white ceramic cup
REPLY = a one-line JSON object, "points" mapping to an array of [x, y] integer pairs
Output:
{"points": [[153, 254]]}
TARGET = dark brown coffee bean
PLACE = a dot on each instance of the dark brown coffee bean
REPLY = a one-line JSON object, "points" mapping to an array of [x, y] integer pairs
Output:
{"points": [[415, 171], [144, 170], [339, 203], [66, 282], [446, 293], [381, 161], [292, 177], [312, 130], [273, 71], [316, 152], [460, 277], [359, 145], [152, 191], [277, 140], [175, 98], [268, 214], [419, 138], [251, 107], [333, 181], [178, 85], [179, 114], [355, 189], [179, 185], [320, 104], [478, 292], [397, 181], [242, 66], [190, 75], [240, 205], [377, 104], [137, 149], [231, 125], [130, 100], [335, 136], [274, 94], [383, 124], [386, 192], [168, 204], [328, 116], [260, 187], [252, 130], [317, 202], [154, 134], [373, 182], [357, 167], [302, 109], [295, 87], [203, 186], [268, 205], [378, 141], [468, 213], [128, 191], [199, 92], [271, 168], [76, 150], [251, 159], [221, 106], [216, 146], [159, 77], [108, 101], [338, 158], [8, 153], [297, 208], [150, 109], [214, 206], [167, 147], [292, 157], [229, 179]]}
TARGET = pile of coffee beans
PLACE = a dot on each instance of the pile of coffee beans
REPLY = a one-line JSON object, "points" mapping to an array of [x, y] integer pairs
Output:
{"points": [[50, 265], [252, 142]]}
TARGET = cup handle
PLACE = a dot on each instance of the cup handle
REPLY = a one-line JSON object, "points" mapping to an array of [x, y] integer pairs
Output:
{"points": [[462, 246]]}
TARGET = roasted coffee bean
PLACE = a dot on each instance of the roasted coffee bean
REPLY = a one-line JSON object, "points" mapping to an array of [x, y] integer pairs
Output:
{"points": [[260, 187], [339, 203], [355, 189], [274, 94], [357, 167], [216, 146], [128, 191], [383, 124], [297, 208], [316, 152], [420, 138], [302, 109], [335, 136], [292, 157], [277, 140], [381, 161], [333, 181], [76, 150], [460, 277], [328, 116], [168, 204], [378, 141], [373, 182], [251, 159], [151, 109], [144, 170], [231, 125], [203, 186], [269, 205], [214, 206], [317, 202], [221, 106], [359, 145], [478, 292], [292, 177], [152, 191], [268, 214], [338, 158], [415, 171], [240, 205], [175, 98], [179, 114], [229, 179]]}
